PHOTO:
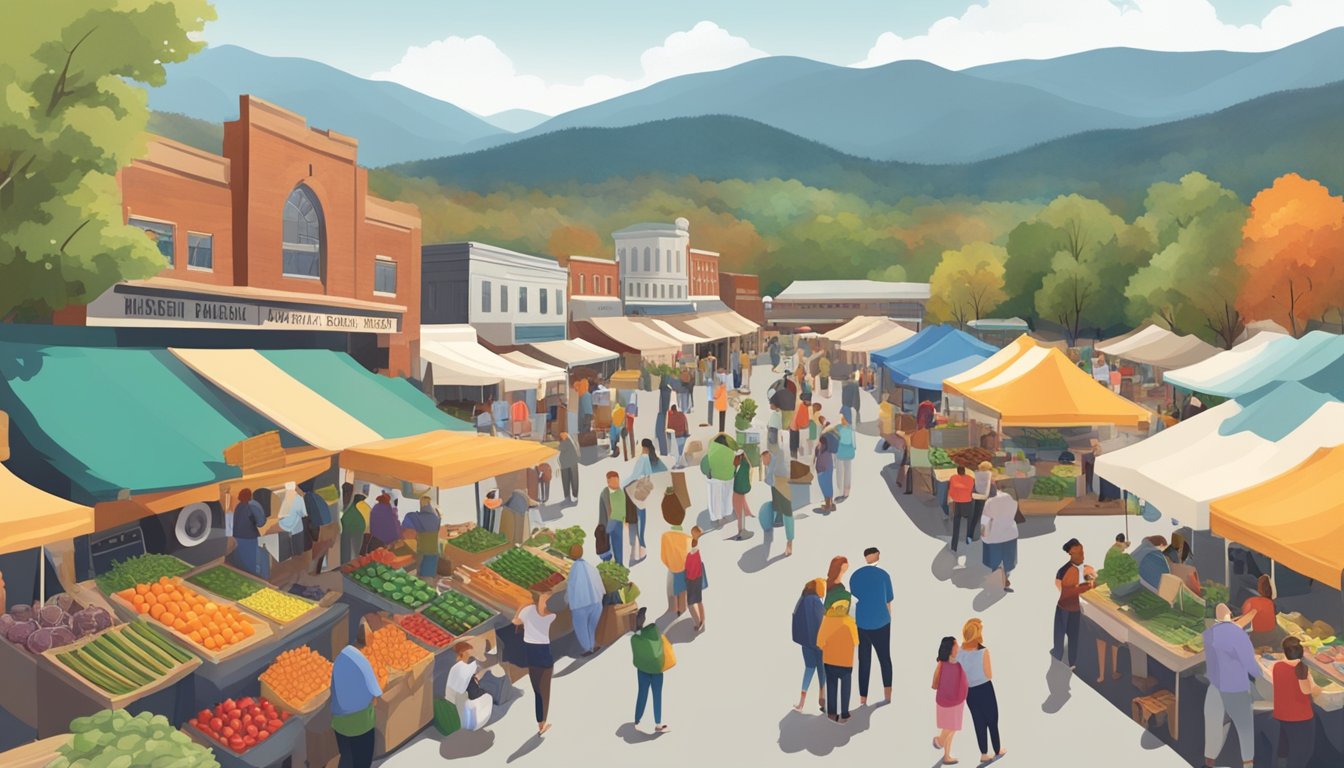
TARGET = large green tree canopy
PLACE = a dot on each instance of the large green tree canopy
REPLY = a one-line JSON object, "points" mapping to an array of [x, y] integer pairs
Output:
{"points": [[73, 113]]}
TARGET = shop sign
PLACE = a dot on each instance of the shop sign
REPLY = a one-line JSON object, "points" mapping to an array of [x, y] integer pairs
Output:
{"points": [[115, 308]]}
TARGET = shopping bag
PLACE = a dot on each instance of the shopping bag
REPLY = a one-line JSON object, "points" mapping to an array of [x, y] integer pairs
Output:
{"points": [[640, 490], [476, 713], [446, 719], [669, 654]]}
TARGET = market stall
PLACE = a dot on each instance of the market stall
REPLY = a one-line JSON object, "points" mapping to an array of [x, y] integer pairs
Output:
{"points": [[574, 354], [637, 343], [1226, 371]]}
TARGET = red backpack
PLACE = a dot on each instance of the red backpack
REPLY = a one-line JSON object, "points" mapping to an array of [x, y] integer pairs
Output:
{"points": [[695, 567]]}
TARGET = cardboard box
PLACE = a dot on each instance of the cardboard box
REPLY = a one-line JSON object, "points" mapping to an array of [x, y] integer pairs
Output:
{"points": [[405, 708]]}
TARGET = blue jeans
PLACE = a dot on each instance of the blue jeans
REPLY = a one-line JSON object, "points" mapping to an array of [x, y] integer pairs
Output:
{"points": [[615, 440], [826, 483], [649, 682], [767, 517], [585, 624], [429, 565], [614, 528], [643, 517]]}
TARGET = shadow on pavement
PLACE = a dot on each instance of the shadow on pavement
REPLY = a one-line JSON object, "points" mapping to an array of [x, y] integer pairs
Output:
{"points": [[464, 744], [758, 558], [633, 735], [1057, 679], [817, 734], [684, 632], [527, 748], [1036, 526]]}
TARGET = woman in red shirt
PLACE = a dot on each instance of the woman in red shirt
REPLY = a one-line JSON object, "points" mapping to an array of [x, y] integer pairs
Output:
{"points": [[1293, 688], [959, 490], [1263, 626]]}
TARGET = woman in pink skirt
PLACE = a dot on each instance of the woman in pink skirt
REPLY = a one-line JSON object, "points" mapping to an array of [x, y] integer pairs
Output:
{"points": [[949, 680]]}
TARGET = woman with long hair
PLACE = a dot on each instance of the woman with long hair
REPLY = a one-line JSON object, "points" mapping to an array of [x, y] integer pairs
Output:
{"points": [[1293, 688], [949, 680], [807, 615], [536, 622], [980, 698], [835, 580], [646, 466]]}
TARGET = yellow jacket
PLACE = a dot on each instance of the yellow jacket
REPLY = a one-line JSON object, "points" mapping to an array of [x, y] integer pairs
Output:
{"points": [[673, 548], [838, 636]]}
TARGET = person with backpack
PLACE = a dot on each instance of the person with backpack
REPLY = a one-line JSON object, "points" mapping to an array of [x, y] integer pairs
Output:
{"points": [[837, 637], [653, 656], [695, 580], [807, 615], [949, 680]]}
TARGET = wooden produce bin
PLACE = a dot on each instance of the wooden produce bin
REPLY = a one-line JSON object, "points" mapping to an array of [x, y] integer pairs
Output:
{"points": [[18, 668], [105, 699], [261, 629], [35, 755], [461, 557], [624, 380]]}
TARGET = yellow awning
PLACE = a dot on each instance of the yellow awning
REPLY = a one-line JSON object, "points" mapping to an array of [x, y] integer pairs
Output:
{"points": [[34, 518], [445, 459], [1030, 385], [267, 389], [1297, 518]]}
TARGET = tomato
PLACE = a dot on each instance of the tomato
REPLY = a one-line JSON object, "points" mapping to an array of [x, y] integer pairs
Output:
{"points": [[237, 744], [250, 741], [216, 723], [274, 724], [251, 730], [227, 731], [204, 716], [263, 735], [246, 701], [236, 724], [259, 720]]}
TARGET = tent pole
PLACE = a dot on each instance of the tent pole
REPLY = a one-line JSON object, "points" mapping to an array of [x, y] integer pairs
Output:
{"points": [[42, 576], [478, 496], [1227, 566]]}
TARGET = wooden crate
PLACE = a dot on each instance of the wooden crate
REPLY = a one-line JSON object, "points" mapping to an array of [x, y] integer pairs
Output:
{"points": [[299, 709], [105, 698], [261, 629]]}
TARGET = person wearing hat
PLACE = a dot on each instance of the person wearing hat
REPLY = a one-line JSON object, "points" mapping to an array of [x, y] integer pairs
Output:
{"points": [[1072, 580], [384, 524]]}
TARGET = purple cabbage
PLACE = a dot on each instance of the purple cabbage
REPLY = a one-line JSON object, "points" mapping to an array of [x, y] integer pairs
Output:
{"points": [[18, 634], [39, 641], [51, 616], [62, 636], [6, 621], [22, 612]]}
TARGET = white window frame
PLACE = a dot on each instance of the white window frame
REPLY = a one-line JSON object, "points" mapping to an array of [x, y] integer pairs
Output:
{"points": [[380, 259], [191, 267]]}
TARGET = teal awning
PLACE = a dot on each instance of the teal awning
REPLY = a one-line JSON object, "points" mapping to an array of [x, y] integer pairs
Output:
{"points": [[390, 407], [121, 419]]}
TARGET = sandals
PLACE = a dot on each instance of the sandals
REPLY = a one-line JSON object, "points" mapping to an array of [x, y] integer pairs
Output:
{"points": [[664, 728]]}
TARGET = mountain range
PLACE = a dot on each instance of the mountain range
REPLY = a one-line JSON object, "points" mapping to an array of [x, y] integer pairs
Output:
{"points": [[1245, 147], [910, 111]]}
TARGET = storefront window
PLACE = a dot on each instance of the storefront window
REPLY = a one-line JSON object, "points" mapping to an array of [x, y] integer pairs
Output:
{"points": [[200, 251], [159, 233], [485, 295], [302, 246], [385, 276]]}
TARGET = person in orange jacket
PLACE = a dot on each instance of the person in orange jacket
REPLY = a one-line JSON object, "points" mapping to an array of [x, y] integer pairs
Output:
{"points": [[837, 638]]}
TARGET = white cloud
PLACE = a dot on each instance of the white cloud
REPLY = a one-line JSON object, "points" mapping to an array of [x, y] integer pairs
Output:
{"points": [[473, 73], [1000, 30]]}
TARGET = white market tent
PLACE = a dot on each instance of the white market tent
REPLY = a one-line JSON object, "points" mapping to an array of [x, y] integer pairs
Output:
{"points": [[881, 335], [527, 361], [458, 360], [669, 330], [1158, 347], [853, 327], [1182, 469], [1223, 371], [573, 352]]}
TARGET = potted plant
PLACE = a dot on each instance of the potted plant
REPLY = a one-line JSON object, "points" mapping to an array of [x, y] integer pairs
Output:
{"points": [[746, 413]]}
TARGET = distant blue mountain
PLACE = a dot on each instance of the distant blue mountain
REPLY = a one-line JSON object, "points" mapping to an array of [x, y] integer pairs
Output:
{"points": [[516, 120], [392, 122]]}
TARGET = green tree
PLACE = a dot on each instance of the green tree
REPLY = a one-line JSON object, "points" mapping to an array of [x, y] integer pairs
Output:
{"points": [[1192, 283], [1031, 247], [1089, 237], [968, 283], [71, 117]]}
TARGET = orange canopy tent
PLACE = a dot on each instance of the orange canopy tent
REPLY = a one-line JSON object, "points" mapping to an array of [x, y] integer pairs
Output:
{"points": [[35, 518], [445, 459], [1030, 385], [1296, 518]]}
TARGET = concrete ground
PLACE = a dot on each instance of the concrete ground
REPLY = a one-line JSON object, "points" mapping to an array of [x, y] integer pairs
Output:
{"points": [[731, 694]]}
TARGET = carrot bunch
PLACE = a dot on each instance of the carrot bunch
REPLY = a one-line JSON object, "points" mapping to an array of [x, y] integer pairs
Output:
{"points": [[173, 604], [390, 650], [298, 674]]}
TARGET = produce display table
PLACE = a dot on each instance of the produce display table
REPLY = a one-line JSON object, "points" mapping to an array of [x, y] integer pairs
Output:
{"points": [[274, 751], [18, 668], [237, 676], [361, 602], [1100, 609], [60, 699]]}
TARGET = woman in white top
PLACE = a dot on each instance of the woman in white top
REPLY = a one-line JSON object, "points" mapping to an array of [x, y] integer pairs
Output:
{"points": [[980, 698], [999, 539], [461, 676], [536, 623]]}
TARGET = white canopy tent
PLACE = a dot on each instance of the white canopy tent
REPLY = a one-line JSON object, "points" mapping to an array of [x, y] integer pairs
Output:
{"points": [[574, 352], [1181, 469], [852, 328], [1158, 347], [458, 360], [879, 336], [1214, 373]]}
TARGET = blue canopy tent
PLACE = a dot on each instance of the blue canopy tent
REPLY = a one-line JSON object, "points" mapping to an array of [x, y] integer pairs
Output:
{"points": [[923, 368], [927, 337]]}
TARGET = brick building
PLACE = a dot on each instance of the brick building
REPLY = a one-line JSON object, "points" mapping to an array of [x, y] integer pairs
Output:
{"points": [[704, 273], [590, 276], [742, 294], [277, 243]]}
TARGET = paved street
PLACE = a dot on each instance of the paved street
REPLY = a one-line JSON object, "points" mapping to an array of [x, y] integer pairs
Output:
{"points": [[730, 695]]}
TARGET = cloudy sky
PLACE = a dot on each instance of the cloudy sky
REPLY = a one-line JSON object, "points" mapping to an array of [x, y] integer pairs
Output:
{"points": [[492, 55]]}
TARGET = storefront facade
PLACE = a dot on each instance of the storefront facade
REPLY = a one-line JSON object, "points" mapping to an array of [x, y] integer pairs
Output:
{"points": [[510, 298], [826, 304], [704, 275], [589, 276], [278, 234], [742, 294]]}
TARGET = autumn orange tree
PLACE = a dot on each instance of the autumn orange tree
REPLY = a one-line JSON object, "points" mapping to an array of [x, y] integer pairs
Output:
{"points": [[1289, 247]]}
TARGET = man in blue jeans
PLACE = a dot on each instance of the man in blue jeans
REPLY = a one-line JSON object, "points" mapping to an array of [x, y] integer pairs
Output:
{"points": [[871, 588], [614, 510]]}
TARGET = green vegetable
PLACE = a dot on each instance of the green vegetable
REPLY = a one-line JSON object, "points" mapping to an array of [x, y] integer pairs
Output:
{"points": [[1054, 487], [477, 540], [395, 585], [614, 575], [940, 459], [521, 567], [140, 570], [456, 612], [227, 582], [565, 538], [1118, 570], [150, 634], [114, 739]]}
